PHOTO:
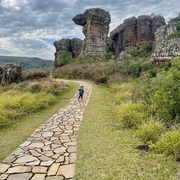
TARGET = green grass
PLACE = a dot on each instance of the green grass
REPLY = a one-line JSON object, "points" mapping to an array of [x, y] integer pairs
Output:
{"points": [[106, 151], [13, 135]]}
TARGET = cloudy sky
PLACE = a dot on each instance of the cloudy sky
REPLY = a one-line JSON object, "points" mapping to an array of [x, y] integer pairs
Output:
{"points": [[29, 27]]}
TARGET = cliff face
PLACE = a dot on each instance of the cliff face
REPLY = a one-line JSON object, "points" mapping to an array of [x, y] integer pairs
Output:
{"points": [[72, 45], [135, 30], [95, 24], [165, 50]]}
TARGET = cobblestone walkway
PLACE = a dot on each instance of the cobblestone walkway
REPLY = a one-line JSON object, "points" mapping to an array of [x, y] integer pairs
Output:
{"points": [[50, 152]]}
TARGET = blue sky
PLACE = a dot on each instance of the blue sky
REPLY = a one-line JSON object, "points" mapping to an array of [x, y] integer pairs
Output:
{"points": [[29, 27]]}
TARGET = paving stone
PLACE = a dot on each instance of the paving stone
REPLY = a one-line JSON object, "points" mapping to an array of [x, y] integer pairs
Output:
{"points": [[9, 159], [3, 167], [60, 159], [3, 176], [53, 169], [25, 176], [46, 163], [34, 153], [72, 149], [39, 169], [25, 159], [38, 177], [26, 143], [47, 134], [60, 150], [35, 163], [37, 145], [67, 171], [55, 178], [19, 169], [72, 158]]}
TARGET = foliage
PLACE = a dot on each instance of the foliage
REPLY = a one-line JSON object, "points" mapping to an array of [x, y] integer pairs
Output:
{"points": [[176, 22], [134, 69], [165, 95], [169, 144], [64, 58], [146, 65], [131, 115], [140, 50], [107, 56], [27, 97], [150, 131], [35, 74], [110, 48], [175, 34]]}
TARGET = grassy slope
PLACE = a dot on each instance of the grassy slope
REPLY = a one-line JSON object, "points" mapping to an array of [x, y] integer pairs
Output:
{"points": [[12, 136], [108, 152]]}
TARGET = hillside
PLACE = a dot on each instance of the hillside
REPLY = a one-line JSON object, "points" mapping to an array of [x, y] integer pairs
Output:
{"points": [[26, 62]]}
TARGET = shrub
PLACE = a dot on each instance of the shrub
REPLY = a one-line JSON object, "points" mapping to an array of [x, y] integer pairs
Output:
{"points": [[134, 69], [131, 115], [169, 144], [64, 58], [146, 66], [35, 74], [107, 56], [149, 132]]}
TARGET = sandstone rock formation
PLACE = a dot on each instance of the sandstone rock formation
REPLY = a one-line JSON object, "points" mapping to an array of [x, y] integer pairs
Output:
{"points": [[165, 50], [72, 45], [95, 24], [135, 30], [11, 73]]}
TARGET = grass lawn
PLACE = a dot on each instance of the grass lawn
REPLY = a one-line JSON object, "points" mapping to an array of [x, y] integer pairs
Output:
{"points": [[13, 135], [107, 152]]}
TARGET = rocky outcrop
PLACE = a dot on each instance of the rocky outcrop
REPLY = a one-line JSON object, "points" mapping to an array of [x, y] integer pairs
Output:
{"points": [[135, 30], [11, 73], [95, 24], [164, 50], [67, 45]]}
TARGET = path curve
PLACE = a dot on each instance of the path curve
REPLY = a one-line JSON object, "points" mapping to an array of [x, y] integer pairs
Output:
{"points": [[50, 152]]}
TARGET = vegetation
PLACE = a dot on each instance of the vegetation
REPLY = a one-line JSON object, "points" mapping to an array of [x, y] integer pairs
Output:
{"points": [[22, 127], [176, 22], [27, 97], [26, 62], [108, 151]]}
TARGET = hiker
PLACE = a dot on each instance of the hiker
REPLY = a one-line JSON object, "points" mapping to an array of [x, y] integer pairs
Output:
{"points": [[81, 92]]}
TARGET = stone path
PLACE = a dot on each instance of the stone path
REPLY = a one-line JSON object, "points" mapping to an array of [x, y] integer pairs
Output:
{"points": [[50, 152]]}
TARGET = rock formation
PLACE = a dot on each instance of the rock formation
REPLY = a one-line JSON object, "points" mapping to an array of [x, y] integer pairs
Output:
{"points": [[11, 73], [95, 24], [135, 30], [71, 45], [163, 49]]}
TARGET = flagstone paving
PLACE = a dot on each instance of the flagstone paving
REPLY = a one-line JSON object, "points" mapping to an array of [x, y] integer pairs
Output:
{"points": [[50, 152]]}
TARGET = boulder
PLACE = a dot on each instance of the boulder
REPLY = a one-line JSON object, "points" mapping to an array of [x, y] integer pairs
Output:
{"points": [[12, 73], [95, 24]]}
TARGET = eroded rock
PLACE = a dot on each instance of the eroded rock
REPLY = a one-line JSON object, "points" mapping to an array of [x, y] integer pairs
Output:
{"points": [[95, 24]]}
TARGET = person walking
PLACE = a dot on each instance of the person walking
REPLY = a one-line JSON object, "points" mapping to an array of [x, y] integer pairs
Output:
{"points": [[81, 92]]}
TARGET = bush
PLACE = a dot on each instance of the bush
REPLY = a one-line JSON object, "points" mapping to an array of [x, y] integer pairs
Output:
{"points": [[64, 58], [131, 115], [169, 144], [35, 74], [149, 132], [146, 66], [134, 69]]}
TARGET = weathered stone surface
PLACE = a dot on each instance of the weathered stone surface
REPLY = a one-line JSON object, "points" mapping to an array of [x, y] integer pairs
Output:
{"points": [[25, 176], [67, 170], [25, 159], [39, 169], [165, 50], [95, 24], [53, 169], [67, 45], [19, 169], [135, 30], [3, 167], [39, 177], [11, 73]]}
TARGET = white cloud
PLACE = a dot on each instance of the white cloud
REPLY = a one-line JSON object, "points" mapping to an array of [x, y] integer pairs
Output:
{"points": [[29, 27]]}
